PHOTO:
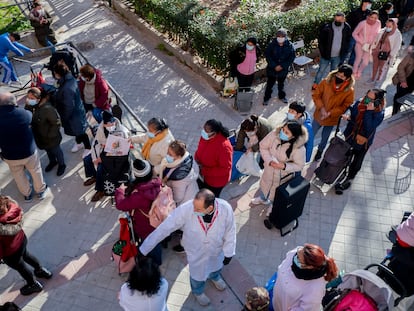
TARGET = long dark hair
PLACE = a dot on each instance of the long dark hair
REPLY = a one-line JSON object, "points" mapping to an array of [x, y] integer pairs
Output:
{"points": [[249, 124], [217, 127], [296, 129], [145, 277]]}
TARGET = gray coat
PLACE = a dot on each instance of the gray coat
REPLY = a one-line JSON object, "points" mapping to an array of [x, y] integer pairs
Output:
{"points": [[70, 107]]}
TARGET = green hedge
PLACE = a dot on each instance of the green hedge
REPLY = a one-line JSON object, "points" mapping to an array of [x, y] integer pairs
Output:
{"points": [[212, 36], [12, 19]]}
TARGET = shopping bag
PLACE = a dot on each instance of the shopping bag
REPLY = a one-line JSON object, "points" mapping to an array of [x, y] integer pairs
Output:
{"points": [[230, 86], [248, 165]]}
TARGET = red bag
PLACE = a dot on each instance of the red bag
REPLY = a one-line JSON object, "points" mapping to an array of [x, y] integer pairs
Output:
{"points": [[356, 301], [124, 250]]}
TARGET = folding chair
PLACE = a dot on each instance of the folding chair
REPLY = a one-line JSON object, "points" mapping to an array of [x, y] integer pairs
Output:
{"points": [[300, 60]]}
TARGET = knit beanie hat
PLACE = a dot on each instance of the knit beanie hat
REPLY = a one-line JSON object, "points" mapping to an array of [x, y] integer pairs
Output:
{"points": [[299, 107], [141, 168], [107, 117]]}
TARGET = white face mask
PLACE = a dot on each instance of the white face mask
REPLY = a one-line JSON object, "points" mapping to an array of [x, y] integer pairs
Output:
{"points": [[281, 39], [388, 29], [32, 102], [369, 6], [111, 128], [249, 47]]}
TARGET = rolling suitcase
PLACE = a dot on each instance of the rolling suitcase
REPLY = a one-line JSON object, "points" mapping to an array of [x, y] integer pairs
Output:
{"points": [[288, 204], [244, 100]]}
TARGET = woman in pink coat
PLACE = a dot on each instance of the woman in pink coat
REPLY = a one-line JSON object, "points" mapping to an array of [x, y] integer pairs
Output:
{"points": [[365, 34]]}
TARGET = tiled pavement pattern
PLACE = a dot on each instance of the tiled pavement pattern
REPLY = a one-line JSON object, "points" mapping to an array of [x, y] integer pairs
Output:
{"points": [[73, 236]]}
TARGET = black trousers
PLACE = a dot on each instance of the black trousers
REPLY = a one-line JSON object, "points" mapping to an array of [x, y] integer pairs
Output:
{"points": [[358, 155], [271, 80], [18, 260], [245, 81], [215, 190], [84, 139]]}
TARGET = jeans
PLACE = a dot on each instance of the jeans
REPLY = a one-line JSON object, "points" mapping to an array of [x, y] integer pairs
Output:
{"points": [[197, 287], [98, 173], [323, 67], [326, 131], [55, 155], [18, 260], [351, 52]]}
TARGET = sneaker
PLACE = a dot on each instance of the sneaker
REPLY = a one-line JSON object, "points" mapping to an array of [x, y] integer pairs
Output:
{"points": [[202, 299], [259, 200], [50, 166], [220, 284], [85, 153], [29, 289], [370, 81], [61, 170], [318, 155], [267, 224], [89, 181], [43, 273], [284, 100], [179, 249], [97, 196], [76, 147], [41, 195], [28, 198], [265, 102]]}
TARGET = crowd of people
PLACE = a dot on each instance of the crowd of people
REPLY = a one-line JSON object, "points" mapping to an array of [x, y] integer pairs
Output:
{"points": [[204, 220]]}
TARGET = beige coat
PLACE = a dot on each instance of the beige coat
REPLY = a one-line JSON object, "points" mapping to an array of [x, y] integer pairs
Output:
{"points": [[271, 149], [404, 70]]}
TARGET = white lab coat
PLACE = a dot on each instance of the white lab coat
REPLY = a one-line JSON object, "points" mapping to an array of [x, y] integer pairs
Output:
{"points": [[205, 252]]}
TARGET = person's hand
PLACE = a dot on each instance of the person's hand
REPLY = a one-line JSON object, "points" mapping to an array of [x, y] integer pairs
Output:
{"points": [[97, 161], [278, 68], [227, 260], [32, 50], [122, 186], [346, 117], [371, 106], [404, 85]]}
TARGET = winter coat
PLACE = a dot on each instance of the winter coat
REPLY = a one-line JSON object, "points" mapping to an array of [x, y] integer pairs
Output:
{"points": [[404, 70], [391, 44], [306, 121], [6, 45], [291, 293], [101, 91], [140, 201], [215, 159], [279, 55], [263, 128], [10, 244], [46, 126], [42, 30], [16, 136], [372, 119], [326, 36], [335, 102], [238, 55], [272, 149], [70, 107], [356, 16], [183, 180], [158, 150], [99, 142], [205, 250]]}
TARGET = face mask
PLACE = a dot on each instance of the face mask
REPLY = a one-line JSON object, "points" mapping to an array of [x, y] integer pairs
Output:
{"points": [[32, 102], [150, 134], [169, 158], [249, 47], [388, 29], [290, 116], [199, 214], [369, 6], [111, 128], [250, 133], [338, 24], [204, 135], [283, 136], [367, 100], [280, 39], [338, 80], [391, 11], [296, 261]]}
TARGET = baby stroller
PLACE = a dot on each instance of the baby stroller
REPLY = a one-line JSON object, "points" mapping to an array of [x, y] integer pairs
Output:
{"points": [[116, 171], [335, 162], [364, 290]]}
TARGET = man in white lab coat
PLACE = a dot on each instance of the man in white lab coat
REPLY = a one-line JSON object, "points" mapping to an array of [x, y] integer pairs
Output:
{"points": [[209, 239]]}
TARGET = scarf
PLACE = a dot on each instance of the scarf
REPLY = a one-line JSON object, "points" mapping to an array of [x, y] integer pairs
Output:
{"points": [[359, 122], [341, 87], [150, 141], [164, 164], [308, 274]]}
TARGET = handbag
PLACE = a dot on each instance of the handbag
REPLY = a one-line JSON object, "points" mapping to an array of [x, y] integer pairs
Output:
{"points": [[383, 55]]}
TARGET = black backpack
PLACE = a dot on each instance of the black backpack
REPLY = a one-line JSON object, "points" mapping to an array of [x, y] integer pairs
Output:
{"points": [[66, 57]]}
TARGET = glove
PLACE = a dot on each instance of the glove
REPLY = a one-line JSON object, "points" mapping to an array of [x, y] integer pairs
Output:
{"points": [[227, 260]]}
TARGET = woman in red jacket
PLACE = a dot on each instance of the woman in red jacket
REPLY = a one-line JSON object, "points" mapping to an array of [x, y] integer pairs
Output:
{"points": [[13, 250], [214, 156], [94, 91], [137, 198]]}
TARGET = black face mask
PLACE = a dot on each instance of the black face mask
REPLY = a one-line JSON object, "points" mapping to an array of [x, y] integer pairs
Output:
{"points": [[339, 24], [339, 80]]}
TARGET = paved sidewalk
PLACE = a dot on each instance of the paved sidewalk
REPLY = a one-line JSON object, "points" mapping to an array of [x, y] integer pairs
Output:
{"points": [[73, 236]]}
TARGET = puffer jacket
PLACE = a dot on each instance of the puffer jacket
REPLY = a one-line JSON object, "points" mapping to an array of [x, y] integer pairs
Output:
{"points": [[272, 149], [101, 91], [9, 244], [335, 102]]}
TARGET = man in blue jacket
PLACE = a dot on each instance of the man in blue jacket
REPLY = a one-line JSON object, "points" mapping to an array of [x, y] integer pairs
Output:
{"points": [[18, 147], [280, 55], [8, 42]]}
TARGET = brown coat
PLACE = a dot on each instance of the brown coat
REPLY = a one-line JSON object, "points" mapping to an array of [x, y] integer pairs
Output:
{"points": [[404, 69], [334, 102]]}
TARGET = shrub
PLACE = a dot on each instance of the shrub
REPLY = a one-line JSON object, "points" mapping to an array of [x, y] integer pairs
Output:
{"points": [[12, 19]]}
